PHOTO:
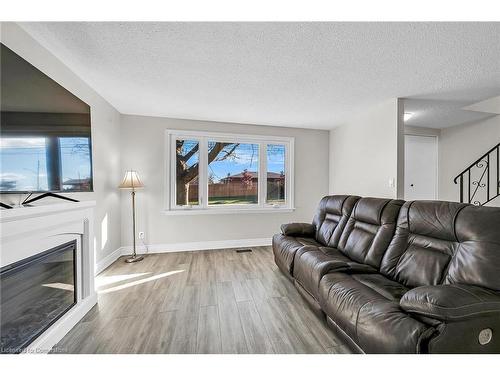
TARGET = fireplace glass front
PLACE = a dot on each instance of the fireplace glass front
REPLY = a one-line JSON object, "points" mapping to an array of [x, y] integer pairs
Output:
{"points": [[34, 293]]}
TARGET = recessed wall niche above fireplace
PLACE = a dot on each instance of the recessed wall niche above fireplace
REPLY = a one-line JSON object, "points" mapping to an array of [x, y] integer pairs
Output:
{"points": [[35, 292]]}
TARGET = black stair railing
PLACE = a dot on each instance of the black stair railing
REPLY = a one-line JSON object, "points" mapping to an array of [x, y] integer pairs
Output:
{"points": [[480, 182]]}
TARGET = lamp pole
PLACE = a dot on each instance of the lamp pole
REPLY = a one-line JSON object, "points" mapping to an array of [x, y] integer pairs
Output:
{"points": [[133, 220], [134, 257], [131, 181]]}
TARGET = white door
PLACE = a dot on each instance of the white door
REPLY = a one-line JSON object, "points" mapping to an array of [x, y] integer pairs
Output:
{"points": [[420, 167]]}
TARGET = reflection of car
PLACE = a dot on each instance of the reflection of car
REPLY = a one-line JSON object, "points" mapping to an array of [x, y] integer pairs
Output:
{"points": [[77, 184], [6, 185]]}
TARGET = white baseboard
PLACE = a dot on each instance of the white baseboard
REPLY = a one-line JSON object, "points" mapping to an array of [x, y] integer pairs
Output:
{"points": [[182, 246], [197, 246], [107, 261]]}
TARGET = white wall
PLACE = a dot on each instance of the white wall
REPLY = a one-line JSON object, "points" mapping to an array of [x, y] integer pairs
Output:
{"points": [[364, 153], [142, 148], [423, 131], [459, 146], [105, 134]]}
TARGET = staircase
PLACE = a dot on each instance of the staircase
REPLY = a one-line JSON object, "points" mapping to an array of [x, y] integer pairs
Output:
{"points": [[480, 182]]}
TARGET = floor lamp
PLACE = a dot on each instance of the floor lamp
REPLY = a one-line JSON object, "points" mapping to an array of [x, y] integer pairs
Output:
{"points": [[132, 182]]}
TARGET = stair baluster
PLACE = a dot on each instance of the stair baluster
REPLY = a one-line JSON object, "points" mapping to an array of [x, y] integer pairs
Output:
{"points": [[478, 189]]}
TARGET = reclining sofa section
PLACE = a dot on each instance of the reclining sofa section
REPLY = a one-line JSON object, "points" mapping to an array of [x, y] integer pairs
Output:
{"points": [[399, 277]]}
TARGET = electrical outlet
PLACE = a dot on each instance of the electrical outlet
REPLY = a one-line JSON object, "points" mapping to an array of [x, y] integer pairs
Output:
{"points": [[141, 235]]}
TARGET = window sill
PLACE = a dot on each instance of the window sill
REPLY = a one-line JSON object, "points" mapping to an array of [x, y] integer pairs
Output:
{"points": [[224, 211]]}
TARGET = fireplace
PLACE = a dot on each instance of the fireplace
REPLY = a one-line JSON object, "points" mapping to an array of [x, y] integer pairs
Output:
{"points": [[44, 293], [35, 293]]}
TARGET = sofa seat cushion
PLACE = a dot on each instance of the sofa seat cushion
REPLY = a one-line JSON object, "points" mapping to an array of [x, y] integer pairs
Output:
{"points": [[284, 248], [366, 307], [312, 263], [306, 241]]}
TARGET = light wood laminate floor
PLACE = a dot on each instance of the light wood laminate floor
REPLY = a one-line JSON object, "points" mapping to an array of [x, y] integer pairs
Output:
{"points": [[214, 301]]}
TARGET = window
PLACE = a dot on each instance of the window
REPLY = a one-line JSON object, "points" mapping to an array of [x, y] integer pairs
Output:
{"points": [[45, 163], [187, 162], [24, 164], [233, 173], [75, 163], [276, 177], [215, 172]]}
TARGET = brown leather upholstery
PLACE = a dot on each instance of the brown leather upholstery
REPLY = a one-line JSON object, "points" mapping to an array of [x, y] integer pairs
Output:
{"points": [[477, 259], [298, 230], [428, 283], [423, 244], [363, 240], [366, 307], [284, 248], [332, 214], [369, 230], [451, 302], [311, 264]]}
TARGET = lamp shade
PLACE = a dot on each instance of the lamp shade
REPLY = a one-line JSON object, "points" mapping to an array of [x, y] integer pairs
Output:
{"points": [[131, 181]]}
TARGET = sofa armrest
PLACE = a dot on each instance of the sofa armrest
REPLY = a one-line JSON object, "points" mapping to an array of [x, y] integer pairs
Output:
{"points": [[298, 230], [451, 302]]}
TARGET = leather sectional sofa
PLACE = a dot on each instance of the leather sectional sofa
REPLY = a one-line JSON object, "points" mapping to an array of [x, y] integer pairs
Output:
{"points": [[399, 277]]}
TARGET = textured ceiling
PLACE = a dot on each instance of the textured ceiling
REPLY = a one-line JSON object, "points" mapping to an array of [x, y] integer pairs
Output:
{"points": [[441, 114], [311, 75], [491, 105]]}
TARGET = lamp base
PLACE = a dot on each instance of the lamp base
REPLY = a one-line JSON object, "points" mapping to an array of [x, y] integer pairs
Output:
{"points": [[134, 259]]}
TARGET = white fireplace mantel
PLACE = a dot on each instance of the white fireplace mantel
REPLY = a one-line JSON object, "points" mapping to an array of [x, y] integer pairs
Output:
{"points": [[27, 231], [43, 209]]}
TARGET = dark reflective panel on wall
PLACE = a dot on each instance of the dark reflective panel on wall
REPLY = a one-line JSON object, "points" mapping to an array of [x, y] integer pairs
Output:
{"points": [[45, 142], [34, 293]]}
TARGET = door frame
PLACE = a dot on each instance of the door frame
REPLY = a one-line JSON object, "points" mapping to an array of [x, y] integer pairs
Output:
{"points": [[436, 136]]}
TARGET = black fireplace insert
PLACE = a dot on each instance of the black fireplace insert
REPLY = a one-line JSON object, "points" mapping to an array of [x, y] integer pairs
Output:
{"points": [[35, 292]]}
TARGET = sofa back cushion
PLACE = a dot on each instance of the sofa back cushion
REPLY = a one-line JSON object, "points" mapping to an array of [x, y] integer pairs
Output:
{"points": [[440, 242], [477, 258], [369, 230], [331, 217], [423, 244]]}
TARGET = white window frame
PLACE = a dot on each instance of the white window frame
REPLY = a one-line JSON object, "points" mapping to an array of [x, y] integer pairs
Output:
{"points": [[170, 206]]}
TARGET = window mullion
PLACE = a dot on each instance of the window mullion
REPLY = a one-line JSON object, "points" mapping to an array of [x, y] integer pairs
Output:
{"points": [[203, 173], [289, 170], [262, 173], [173, 185]]}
